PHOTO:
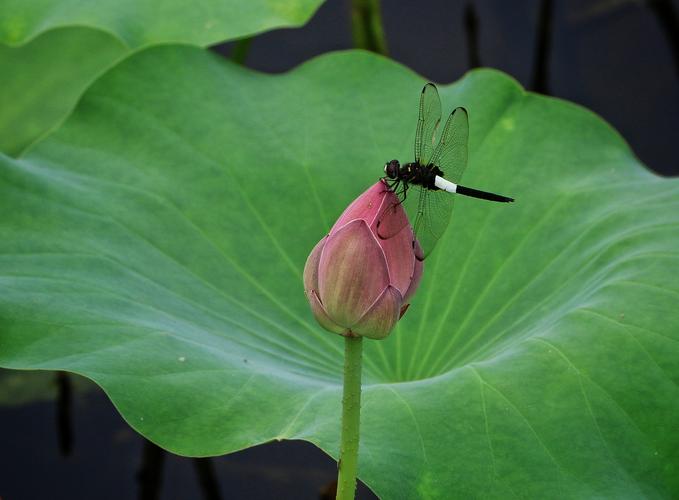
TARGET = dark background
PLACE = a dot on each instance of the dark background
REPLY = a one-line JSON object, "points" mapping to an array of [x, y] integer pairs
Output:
{"points": [[619, 58]]}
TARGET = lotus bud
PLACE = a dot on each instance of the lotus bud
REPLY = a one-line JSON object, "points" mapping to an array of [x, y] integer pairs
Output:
{"points": [[357, 283]]}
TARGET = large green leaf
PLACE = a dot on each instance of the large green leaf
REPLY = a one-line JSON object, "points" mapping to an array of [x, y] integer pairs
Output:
{"points": [[155, 244], [142, 22], [51, 51], [43, 79]]}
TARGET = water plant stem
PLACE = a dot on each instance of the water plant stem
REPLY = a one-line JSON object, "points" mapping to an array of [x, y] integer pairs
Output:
{"points": [[366, 26], [351, 414], [241, 50]]}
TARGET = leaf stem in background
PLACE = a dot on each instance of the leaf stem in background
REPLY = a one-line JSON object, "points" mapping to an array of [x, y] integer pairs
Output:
{"points": [[543, 48], [240, 50], [366, 26], [64, 417], [471, 25], [207, 478], [666, 14], [351, 414], [150, 474]]}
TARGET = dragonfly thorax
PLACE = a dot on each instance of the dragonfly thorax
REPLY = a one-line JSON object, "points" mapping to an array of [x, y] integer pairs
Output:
{"points": [[413, 173]]}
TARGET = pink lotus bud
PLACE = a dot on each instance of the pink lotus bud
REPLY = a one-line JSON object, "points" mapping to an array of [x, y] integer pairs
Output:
{"points": [[357, 283]]}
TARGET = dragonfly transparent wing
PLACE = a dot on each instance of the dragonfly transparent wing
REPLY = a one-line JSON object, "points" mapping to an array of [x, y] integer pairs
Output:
{"points": [[431, 213], [452, 151], [434, 209], [427, 122]]}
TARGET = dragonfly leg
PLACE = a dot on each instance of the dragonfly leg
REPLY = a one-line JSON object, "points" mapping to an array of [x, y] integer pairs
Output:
{"points": [[398, 187], [391, 183], [402, 193]]}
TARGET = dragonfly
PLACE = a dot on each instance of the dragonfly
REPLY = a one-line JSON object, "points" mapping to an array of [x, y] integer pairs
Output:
{"points": [[431, 206]]}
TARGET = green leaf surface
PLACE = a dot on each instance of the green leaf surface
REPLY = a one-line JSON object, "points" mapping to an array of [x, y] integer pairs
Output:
{"points": [[43, 79], [155, 244], [51, 51], [138, 23]]}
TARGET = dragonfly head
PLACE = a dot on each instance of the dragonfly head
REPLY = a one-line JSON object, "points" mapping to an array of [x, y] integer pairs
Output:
{"points": [[392, 169]]}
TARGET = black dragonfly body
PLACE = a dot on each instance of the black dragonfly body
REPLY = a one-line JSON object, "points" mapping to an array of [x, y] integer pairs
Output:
{"points": [[432, 206]]}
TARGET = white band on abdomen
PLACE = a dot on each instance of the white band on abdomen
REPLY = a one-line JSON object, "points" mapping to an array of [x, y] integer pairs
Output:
{"points": [[441, 183]]}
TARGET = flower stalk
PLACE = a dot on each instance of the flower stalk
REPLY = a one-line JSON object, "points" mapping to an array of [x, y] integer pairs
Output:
{"points": [[351, 414], [366, 26], [241, 50], [359, 283]]}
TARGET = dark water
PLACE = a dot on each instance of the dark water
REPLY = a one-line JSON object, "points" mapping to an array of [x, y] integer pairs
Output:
{"points": [[107, 457], [612, 56]]}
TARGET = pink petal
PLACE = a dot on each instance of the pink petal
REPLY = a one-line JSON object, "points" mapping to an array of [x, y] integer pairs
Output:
{"points": [[352, 273], [311, 266], [365, 207], [400, 258], [379, 320], [321, 315]]}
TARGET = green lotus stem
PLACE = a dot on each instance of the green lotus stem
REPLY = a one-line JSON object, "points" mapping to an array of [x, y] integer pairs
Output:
{"points": [[366, 26], [240, 50], [351, 415]]}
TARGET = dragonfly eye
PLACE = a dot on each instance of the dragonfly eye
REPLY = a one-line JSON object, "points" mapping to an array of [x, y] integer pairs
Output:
{"points": [[392, 168]]}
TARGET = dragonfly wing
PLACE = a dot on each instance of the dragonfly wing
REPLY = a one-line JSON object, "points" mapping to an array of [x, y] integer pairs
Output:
{"points": [[427, 123], [450, 156], [452, 150], [432, 217]]}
